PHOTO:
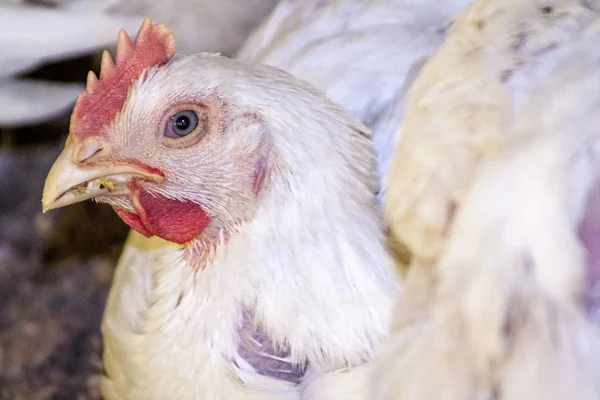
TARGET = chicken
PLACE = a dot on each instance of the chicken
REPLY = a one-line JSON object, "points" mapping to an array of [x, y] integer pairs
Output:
{"points": [[503, 303], [359, 52], [200, 25], [266, 275], [454, 119]]}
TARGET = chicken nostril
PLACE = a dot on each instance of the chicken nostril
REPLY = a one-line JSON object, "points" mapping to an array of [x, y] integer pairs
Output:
{"points": [[88, 149]]}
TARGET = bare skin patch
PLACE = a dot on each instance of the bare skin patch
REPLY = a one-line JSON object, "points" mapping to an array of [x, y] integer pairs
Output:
{"points": [[266, 357]]}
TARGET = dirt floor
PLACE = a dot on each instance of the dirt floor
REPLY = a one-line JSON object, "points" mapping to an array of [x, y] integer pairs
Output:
{"points": [[55, 268]]}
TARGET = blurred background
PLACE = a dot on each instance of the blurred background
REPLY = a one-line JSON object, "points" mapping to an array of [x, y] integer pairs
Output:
{"points": [[56, 268]]}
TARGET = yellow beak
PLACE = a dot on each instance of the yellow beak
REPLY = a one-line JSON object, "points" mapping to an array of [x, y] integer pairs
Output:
{"points": [[69, 182]]}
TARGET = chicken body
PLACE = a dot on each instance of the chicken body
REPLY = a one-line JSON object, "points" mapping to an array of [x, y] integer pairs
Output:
{"points": [[459, 107], [358, 52], [504, 305], [275, 283]]}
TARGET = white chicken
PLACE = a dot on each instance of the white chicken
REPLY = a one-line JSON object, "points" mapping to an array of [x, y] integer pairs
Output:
{"points": [[200, 25], [381, 41], [495, 194], [270, 279]]}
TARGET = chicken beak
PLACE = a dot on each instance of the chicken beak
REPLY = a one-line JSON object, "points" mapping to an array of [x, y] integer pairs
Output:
{"points": [[69, 183]]}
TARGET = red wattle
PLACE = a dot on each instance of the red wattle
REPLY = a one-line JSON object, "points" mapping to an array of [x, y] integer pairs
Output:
{"points": [[133, 221], [173, 220]]}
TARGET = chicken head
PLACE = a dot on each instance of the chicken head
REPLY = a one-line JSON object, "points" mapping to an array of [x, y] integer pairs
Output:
{"points": [[164, 140]]}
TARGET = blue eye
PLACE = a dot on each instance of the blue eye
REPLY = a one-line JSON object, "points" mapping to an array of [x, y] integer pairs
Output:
{"points": [[181, 124]]}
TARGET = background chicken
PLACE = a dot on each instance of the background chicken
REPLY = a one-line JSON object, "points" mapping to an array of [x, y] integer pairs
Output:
{"points": [[35, 32], [275, 284], [496, 197], [31, 36], [485, 47], [201, 25]]}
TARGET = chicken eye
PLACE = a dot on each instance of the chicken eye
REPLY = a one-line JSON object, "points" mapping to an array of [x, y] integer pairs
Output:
{"points": [[181, 124]]}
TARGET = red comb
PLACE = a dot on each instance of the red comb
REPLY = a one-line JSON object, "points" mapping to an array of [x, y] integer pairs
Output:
{"points": [[103, 98]]}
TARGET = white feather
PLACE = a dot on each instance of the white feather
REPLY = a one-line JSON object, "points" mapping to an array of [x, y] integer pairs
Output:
{"points": [[499, 313]]}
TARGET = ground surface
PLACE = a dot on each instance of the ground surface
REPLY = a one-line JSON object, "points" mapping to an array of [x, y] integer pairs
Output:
{"points": [[55, 270]]}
